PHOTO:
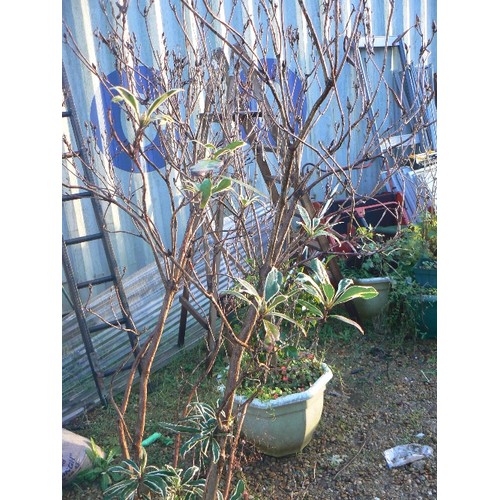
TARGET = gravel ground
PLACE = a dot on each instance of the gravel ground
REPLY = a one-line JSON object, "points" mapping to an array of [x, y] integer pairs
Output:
{"points": [[381, 396]]}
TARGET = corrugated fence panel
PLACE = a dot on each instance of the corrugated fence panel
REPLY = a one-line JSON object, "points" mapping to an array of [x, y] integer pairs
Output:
{"points": [[84, 18]]}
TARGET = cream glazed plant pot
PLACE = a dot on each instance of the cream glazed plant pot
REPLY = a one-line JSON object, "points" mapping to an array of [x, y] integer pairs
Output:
{"points": [[285, 426], [368, 309]]}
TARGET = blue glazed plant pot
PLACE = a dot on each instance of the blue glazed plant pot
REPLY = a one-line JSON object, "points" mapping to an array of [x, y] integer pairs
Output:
{"points": [[427, 316], [425, 272]]}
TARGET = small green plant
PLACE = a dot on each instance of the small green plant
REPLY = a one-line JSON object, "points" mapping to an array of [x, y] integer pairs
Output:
{"points": [[148, 481], [182, 484], [207, 188], [376, 255], [280, 365], [138, 480], [145, 118], [100, 469], [238, 491], [201, 425], [291, 372], [323, 296], [212, 157], [313, 227], [267, 305]]}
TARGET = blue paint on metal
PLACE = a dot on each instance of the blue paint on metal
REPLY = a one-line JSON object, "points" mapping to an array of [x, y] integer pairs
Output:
{"points": [[120, 158], [297, 96]]}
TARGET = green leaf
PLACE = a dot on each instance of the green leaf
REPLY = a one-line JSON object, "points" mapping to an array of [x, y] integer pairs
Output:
{"points": [[272, 285], [189, 474], [291, 351], [287, 318], [272, 331], [319, 270], [128, 98], [237, 294], [238, 491], [224, 184], [215, 451], [125, 490], [310, 286], [315, 311], [275, 302], [305, 217], [206, 191], [179, 428], [328, 290], [248, 288], [160, 100], [156, 484], [348, 321], [356, 292], [105, 481], [343, 285], [231, 147]]}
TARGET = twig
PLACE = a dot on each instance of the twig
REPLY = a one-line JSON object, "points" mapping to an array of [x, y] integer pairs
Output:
{"points": [[423, 373], [352, 459]]}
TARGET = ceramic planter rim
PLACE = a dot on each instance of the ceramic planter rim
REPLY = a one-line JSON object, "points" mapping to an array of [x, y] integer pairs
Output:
{"points": [[374, 279], [291, 398]]}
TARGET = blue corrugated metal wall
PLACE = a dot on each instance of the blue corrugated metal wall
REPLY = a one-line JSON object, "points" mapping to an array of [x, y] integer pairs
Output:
{"points": [[85, 17]]}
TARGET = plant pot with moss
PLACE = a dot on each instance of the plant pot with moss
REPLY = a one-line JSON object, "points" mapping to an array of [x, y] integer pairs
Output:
{"points": [[281, 425]]}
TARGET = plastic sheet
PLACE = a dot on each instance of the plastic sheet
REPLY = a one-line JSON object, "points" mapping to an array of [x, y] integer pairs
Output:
{"points": [[406, 454]]}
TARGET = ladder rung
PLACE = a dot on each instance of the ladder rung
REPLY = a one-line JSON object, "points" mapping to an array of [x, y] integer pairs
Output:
{"points": [[83, 239], [103, 326], [76, 196], [95, 281], [108, 373]]}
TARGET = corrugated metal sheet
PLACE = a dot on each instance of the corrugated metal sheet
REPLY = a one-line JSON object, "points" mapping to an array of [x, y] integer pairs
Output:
{"points": [[145, 294], [85, 17]]}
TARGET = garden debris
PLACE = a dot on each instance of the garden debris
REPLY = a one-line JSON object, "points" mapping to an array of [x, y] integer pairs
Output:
{"points": [[406, 454], [336, 460], [74, 455]]}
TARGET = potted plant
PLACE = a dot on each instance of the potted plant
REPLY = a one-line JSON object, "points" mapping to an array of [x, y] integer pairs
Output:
{"points": [[280, 400], [370, 264], [425, 269]]}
